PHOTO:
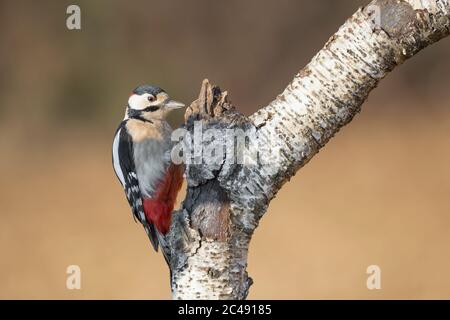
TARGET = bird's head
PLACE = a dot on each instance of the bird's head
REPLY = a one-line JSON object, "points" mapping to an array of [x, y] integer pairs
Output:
{"points": [[150, 103]]}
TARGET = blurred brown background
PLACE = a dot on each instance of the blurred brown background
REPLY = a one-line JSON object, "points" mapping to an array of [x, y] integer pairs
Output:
{"points": [[377, 194]]}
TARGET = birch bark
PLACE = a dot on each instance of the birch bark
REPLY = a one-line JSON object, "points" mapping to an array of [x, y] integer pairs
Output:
{"points": [[208, 243]]}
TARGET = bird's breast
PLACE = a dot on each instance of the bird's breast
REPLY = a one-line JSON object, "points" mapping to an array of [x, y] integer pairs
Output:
{"points": [[151, 154], [141, 131]]}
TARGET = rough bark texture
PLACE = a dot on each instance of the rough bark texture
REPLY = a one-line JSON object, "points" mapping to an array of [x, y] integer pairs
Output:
{"points": [[208, 242]]}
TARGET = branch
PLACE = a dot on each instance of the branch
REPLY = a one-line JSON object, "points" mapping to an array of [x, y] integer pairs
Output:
{"points": [[228, 193]]}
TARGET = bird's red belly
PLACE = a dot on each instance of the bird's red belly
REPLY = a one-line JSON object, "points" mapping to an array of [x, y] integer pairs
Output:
{"points": [[158, 208], [158, 213]]}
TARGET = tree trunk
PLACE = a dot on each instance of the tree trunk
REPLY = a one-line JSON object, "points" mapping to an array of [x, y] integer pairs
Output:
{"points": [[235, 171]]}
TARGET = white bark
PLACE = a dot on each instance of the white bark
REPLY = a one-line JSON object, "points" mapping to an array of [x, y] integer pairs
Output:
{"points": [[208, 243]]}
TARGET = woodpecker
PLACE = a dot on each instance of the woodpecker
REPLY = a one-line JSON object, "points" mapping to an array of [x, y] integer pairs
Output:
{"points": [[141, 160]]}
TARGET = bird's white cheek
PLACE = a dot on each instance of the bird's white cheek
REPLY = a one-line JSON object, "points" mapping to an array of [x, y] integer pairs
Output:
{"points": [[138, 102]]}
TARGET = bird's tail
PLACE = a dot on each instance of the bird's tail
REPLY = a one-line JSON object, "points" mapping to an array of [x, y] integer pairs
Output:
{"points": [[159, 215], [152, 235]]}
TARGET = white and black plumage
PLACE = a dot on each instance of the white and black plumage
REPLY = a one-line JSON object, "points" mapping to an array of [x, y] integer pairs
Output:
{"points": [[141, 159]]}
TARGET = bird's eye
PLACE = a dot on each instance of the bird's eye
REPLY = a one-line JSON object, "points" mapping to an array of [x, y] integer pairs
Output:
{"points": [[151, 98]]}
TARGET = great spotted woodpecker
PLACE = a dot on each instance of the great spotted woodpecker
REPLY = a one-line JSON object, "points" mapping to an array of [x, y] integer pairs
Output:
{"points": [[141, 160]]}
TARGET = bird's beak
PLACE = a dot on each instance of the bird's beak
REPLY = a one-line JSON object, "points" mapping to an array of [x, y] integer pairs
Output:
{"points": [[172, 104]]}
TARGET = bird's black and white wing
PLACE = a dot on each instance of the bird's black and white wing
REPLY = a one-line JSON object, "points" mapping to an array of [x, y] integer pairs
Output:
{"points": [[123, 163]]}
